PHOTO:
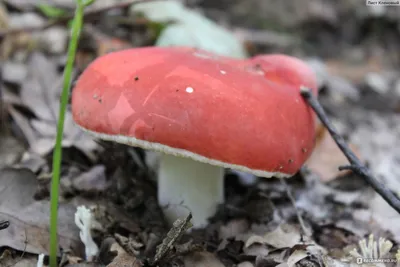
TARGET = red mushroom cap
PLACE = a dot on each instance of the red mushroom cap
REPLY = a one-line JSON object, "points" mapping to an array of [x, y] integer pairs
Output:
{"points": [[286, 69], [192, 103]]}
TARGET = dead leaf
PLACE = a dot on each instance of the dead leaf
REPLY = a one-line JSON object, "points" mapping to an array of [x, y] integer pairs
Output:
{"points": [[40, 92], [31, 161], [29, 219], [123, 258], [42, 87], [254, 239], [4, 18], [295, 257], [327, 157], [16, 261], [234, 228], [92, 181], [267, 261], [385, 216], [256, 249], [202, 259], [23, 124], [128, 244], [354, 72], [97, 44], [14, 72], [10, 150], [331, 262], [245, 264], [378, 139], [105, 43], [284, 236]]}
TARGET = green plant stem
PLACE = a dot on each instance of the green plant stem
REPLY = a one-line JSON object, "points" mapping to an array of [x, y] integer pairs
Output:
{"points": [[73, 44]]}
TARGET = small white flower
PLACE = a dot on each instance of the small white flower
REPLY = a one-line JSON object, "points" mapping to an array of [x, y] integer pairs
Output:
{"points": [[83, 219]]}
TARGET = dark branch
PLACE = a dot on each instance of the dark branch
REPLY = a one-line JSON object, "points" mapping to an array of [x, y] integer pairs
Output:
{"points": [[356, 165]]}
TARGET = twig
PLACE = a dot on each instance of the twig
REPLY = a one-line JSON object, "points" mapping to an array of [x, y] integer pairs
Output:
{"points": [[306, 231], [65, 19], [177, 230], [355, 164], [265, 37]]}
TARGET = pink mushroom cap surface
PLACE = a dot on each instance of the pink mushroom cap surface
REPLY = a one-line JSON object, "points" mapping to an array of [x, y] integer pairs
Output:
{"points": [[246, 115]]}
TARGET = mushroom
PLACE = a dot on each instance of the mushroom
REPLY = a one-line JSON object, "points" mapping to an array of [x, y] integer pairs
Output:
{"points": [[203, 113]]}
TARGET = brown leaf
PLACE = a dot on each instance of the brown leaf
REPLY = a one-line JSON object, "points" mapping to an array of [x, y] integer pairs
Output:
{"points": [[41, 90], [327, 157], [10, 151], [245, 264], [284, 236], [234, 228], [29, 219], [354, 72], [123, 258], [40, 93], [7, 260], [202, 259], [92, 181], [295, 257]]}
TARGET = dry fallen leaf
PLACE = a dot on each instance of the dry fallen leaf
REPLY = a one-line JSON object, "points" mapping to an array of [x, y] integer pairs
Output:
{"points": [[10, 261], [122, 258], [234, 228], [10, 150], [385, 216], [29, 219], [245, 264], [100, 43], [327, 157], [92, 181], [40, 92], [42, 88], [284, 236], [202, 259], [256, 249], [354, 72], [295, 257], [3, 17]]}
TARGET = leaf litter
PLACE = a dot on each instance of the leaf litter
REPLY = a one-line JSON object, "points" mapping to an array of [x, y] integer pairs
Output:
{"points": [[259, 223], [29, 219]]}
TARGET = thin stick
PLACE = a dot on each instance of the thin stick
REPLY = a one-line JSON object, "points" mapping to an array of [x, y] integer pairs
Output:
{"points": [[356, 166], [306, 231], [65, 19]]}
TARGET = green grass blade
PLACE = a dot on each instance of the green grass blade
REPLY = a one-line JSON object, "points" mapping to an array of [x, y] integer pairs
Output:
{"points": [[73, 44]]}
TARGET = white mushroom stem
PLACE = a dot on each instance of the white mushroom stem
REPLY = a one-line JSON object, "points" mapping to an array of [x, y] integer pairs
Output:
{"points": [[186, 185]]}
